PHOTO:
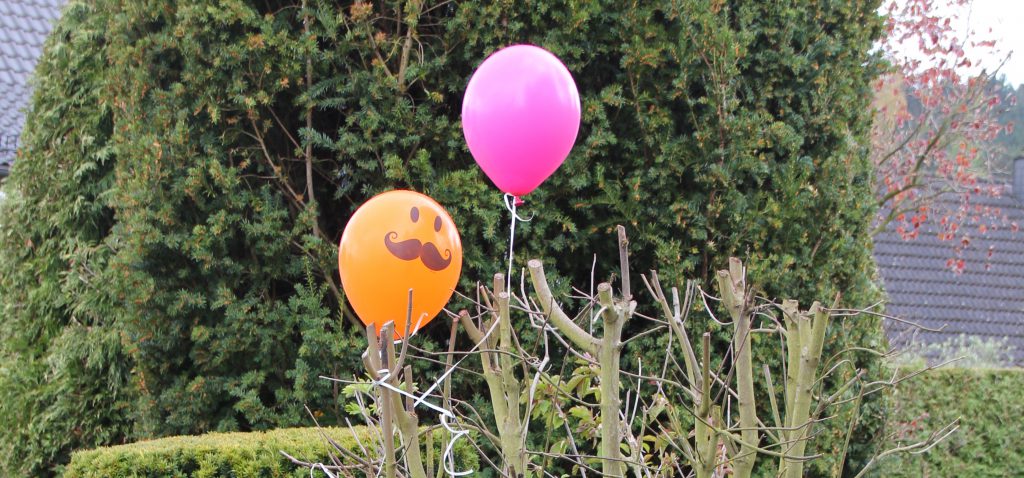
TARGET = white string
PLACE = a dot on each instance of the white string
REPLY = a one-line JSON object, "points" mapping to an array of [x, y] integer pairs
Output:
{"points": [[322, 468], [448, 457], [511, 247], [511, 204], [511, 241], [533, 385]]}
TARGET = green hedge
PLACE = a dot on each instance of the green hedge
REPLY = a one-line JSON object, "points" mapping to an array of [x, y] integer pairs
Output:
{"points": [[255, 454], [990, 404]]}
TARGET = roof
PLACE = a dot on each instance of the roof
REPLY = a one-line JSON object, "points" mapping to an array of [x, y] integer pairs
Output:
{"points": [[24, 25], [968, 283]]}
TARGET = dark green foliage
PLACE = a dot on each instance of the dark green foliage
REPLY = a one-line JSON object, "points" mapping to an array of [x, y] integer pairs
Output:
{"points": [[709, 128], [64, 375], [242, 455], [989, 404], [229, 329]]}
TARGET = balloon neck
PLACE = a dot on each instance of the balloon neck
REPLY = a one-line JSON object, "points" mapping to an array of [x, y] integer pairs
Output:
{"points": [[518, 201]]}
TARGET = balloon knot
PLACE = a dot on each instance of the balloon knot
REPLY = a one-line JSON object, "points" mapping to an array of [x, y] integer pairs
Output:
{"points": [[518, 201]]}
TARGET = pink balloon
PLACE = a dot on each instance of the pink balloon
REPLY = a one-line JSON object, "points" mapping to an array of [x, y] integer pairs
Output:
{"points": [[520, 116]]}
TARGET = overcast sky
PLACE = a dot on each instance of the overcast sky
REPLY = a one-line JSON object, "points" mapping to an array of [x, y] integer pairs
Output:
{"points": [[1006, 19], [999, 20]]}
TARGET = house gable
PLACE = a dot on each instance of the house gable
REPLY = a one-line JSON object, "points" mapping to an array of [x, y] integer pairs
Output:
{"points": [[24, 25], [925, 284]]}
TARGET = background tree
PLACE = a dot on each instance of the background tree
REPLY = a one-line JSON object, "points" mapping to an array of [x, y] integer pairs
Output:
{"points": [[65, 376], [1012, 138], [940, 123], [245, 134]]}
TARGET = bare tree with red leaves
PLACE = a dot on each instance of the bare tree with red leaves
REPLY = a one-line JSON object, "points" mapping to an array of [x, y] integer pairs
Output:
{"points": [[936, 125]]}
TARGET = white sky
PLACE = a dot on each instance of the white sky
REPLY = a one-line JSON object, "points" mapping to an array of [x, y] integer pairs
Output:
{"points": [[1006, 19], [999, 20]]}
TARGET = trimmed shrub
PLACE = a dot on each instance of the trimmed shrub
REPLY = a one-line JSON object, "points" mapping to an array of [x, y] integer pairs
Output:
{"points": [[255, 454], [989, 403]]}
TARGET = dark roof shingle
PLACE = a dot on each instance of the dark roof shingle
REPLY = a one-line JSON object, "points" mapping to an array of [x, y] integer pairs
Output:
{"points": [[24, 25], [984, 299]]}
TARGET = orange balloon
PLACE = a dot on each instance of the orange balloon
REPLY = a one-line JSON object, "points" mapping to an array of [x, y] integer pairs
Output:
{"points": [[396, 241]]}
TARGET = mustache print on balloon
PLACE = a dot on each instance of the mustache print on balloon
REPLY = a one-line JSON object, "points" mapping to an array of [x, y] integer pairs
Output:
{"points": [[412, 249]]}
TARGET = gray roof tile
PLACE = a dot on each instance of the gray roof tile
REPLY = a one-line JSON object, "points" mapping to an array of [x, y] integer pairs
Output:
{"points": [[9, 79], [24, 25], [985, 299]]}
